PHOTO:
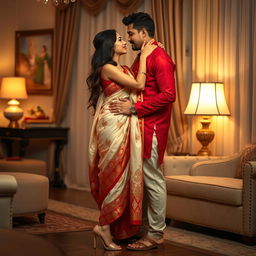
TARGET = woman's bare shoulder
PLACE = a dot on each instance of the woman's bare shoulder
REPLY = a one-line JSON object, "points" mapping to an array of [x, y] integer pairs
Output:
{"points": [[108, 67]]}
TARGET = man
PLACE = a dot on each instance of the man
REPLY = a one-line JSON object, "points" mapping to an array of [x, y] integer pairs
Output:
{"points": [[155, 109]]}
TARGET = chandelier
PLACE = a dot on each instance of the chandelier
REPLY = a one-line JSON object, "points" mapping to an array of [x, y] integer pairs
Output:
{"points": [[57, 2]]}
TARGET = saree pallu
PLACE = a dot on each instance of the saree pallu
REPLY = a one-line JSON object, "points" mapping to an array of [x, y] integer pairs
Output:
{"points": [[115, 167]]}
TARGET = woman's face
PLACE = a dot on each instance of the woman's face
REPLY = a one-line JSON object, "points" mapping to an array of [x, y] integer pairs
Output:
{"points": [[120, 46]]}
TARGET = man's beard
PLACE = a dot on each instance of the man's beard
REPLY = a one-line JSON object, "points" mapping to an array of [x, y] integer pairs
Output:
{"points": [[135, 47]]}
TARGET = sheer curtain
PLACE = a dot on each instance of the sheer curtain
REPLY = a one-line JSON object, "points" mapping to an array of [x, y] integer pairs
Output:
{"points": [[169, 20], [223, 48], [79, 118], [223, 39]]}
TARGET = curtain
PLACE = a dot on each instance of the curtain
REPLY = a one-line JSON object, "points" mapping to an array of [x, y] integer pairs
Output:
{"points": [[223, 35], [223, 49], [168, 18], [94, 7], [79, 118], [66, 32], [253, 73]]}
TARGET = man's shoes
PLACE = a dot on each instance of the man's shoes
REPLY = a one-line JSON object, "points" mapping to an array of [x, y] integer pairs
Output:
{"points": [[144, 244], [159, 241]]}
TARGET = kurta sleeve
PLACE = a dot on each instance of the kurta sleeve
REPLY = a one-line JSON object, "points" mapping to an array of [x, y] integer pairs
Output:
{"points": [[163, 69]]}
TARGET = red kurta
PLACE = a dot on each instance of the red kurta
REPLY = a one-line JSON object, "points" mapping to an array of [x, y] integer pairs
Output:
{"points": [[158, 96]]}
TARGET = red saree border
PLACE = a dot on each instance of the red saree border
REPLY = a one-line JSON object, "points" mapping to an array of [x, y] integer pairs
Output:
{"points": [[116, 168]]}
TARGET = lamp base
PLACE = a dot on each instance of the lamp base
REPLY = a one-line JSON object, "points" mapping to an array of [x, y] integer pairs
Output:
{"points": [[13, 124], [13, 120], [13, 113], [205, 136], [204, 151]]}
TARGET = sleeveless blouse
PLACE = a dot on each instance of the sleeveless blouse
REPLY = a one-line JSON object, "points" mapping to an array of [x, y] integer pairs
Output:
{"points": [[109, 87]]}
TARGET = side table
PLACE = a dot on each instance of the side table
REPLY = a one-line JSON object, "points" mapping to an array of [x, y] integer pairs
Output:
{"points": [[59, 135]]}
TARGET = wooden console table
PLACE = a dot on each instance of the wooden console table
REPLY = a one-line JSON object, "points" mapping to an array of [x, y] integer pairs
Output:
{"points": [[58, 135]]}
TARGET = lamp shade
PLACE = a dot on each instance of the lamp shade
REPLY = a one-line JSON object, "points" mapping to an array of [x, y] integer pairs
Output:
{"points": [[13, 88], [207, 99]]}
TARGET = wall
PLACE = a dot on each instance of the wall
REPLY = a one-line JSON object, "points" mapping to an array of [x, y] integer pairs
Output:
{"points": [[23, 15]]}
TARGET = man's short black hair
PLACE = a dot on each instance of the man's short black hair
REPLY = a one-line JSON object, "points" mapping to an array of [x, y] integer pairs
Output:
{"points": [[140, 20]]}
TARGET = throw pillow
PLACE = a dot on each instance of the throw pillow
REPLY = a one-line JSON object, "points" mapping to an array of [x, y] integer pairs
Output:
{"points": [[247, 154]]}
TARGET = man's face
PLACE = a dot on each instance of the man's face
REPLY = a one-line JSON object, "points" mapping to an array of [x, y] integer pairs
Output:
{"points": [[135, 37]]}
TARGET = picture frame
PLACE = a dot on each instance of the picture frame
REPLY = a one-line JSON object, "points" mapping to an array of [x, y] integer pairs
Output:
{"points": [[33, 59]]}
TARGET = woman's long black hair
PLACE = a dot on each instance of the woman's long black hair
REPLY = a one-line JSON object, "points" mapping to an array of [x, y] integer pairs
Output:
{"points": [[104, 50]]}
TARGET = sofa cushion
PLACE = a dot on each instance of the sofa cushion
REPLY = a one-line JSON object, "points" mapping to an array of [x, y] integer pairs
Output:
{"points": [[181, 165], [25, 165], [247, 154], [218, 189], [32, 192]]}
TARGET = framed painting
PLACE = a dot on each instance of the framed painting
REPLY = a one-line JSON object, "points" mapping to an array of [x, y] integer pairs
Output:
{"points": [[33, 59]]}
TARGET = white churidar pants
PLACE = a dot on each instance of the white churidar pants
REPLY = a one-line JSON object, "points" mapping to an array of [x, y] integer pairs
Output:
{"points": [[154, 194]]}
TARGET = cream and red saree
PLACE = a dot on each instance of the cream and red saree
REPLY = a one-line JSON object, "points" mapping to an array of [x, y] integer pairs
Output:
{"points": [[115, 164]]}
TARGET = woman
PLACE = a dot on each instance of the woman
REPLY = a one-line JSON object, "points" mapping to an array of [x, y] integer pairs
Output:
{"points": [[115, 157]]}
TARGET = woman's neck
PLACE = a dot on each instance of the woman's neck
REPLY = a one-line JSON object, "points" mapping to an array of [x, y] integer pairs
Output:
{"points": [[116, 59]]}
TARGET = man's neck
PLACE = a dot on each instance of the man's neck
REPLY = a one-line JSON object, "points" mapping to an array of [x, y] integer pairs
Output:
{"points": [[149, 39]]}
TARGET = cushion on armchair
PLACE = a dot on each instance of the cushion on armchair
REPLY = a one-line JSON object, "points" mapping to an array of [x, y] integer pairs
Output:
{"points": [[247, 154]]}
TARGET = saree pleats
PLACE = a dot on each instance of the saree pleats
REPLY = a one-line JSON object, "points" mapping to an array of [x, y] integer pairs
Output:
{"points": [[115, 167]]}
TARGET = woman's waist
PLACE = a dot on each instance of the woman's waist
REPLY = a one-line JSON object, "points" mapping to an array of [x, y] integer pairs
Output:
{"points": [[108, 91], [122, 94]]}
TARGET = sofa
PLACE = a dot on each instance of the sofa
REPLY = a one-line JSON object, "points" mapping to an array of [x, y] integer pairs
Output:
{"points": [[214, 192], [8, 188], [32, 189], [26, 165]]}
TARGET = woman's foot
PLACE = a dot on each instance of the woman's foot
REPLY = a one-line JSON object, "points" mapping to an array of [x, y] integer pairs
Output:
{"points": [[104, 233]]}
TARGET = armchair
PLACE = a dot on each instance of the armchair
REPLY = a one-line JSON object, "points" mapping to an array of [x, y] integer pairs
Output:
{"points": [[8, 187], [32, 185], [215, 192]]}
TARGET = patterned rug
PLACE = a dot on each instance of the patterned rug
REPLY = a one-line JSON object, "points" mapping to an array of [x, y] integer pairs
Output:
{"points": [[177, 235], [54, 223]]}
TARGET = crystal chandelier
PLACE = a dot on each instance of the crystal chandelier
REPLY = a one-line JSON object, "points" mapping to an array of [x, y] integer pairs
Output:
{"points": [[57, 2]]}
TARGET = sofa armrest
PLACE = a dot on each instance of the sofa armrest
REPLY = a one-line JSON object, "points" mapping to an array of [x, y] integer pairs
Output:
{"points": [[225, 167], [8, 187], [249, 198], [181, 165], [24, 165]]}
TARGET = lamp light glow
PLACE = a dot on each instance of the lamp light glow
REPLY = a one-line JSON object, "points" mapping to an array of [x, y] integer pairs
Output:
{"points": [[206, 99], [13, 88]]}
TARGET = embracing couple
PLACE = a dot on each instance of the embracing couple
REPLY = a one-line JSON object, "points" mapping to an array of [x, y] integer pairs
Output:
{"points": [[129, 134]]}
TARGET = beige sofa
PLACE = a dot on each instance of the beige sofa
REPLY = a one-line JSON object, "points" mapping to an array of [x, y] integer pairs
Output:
{"points": [[32, 188], [26, 165], [206, 191], [32, 194], [8, 187]]}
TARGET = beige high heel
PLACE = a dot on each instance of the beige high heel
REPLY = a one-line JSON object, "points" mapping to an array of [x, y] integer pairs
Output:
{"points": [[110, 247]]}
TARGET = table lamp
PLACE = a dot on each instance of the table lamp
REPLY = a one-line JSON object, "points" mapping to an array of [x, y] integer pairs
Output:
{"points": [[14, 89], [206, 99]]}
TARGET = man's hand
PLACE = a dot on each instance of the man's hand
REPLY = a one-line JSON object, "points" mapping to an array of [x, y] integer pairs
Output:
{"points": [[121, 106]]}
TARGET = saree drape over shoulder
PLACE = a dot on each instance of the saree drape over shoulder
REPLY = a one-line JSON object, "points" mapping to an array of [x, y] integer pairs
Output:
{"points": [[115, 163]]}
